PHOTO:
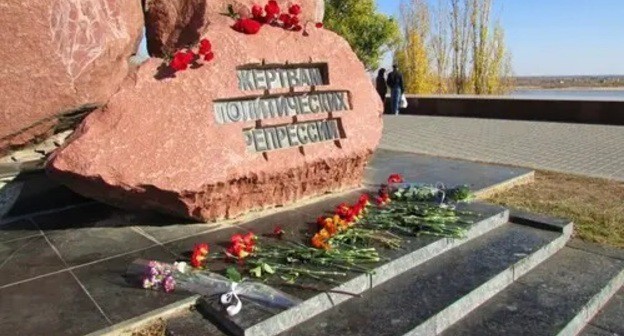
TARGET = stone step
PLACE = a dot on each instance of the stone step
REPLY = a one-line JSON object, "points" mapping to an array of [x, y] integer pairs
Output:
{"points": [[559, 297], [431, 297], [257, 320], [610, 320]]}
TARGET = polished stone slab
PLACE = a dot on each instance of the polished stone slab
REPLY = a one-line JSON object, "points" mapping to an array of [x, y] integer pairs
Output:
{"points": [[91, 233], [611, 317], [432, 169], [41, 194], [119, 296], [400, 305], [544, 301], [53, 305], [258, 320], [27, 258], [18, 229]]}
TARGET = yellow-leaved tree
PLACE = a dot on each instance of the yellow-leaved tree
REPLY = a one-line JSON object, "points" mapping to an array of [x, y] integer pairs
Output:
{"points": [[463, 53], [412, 56]]}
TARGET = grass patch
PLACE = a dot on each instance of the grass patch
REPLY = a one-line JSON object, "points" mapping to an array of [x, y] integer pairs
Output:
{"points": [[596, 206], [158, 328]]}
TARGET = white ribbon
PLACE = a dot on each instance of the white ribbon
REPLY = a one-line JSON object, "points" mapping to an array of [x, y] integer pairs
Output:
{"points": [[226, 299]]}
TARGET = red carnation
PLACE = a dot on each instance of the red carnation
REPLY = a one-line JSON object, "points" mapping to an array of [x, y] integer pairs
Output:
{"points": [[272, 8], [250, 239], [279, 232], [285, 18], [209, 56], [257, 11], [395, 178], [294, 10], [247, 26], [298, 28], [180, 61], [204, 47], [319, 25]]}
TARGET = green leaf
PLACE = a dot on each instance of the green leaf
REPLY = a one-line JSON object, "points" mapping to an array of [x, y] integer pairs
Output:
{"points": [[268, 269], [233, 275], [257, 272]]}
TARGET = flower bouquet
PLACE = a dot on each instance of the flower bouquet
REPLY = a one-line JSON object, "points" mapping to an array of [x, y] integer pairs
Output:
{"points": [[156, 275]]}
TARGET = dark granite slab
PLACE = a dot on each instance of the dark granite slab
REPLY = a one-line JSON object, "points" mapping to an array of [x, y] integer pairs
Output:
{"points": [[299, 224], [611, 317], [538, 221], [431, 169], [118, 296], [91, 233], [18, 229], [52, 305], [545, 300], [401, 304], [27, 258], [40, 193], [591, 330]]}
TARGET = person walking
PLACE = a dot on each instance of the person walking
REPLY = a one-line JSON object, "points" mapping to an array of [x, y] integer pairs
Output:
{"points": [[382, 87], [395, 83]]}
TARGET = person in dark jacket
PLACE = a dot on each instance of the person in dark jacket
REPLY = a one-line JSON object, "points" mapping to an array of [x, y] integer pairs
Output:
{"points": [[395, 83], [382, 87]]}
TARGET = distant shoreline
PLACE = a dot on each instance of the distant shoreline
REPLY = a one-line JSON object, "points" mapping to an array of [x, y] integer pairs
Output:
{"points": [[571, 88]]}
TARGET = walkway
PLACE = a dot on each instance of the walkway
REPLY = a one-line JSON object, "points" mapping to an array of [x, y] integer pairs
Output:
{"points": [[591, 150]]}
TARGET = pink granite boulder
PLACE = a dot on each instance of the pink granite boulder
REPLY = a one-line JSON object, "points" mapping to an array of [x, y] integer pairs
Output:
{"points": [[174, 24], [60, 55], [191, 146]]}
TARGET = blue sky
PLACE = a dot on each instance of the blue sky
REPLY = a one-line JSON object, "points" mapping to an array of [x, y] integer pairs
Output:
{"points": [[558, 37]]}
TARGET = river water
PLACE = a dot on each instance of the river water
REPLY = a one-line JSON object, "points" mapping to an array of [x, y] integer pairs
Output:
{"points": [[576, 94]]}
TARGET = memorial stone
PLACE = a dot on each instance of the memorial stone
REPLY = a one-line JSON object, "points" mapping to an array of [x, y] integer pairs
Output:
{"points": [[273, 119], [58, 56]]}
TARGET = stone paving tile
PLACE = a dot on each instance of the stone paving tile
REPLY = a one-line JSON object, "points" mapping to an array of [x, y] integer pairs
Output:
{"points": [[592, 150], [90, 233], [19, 229], [27, 258], [611, 317], [120, 297], [52, 305]]}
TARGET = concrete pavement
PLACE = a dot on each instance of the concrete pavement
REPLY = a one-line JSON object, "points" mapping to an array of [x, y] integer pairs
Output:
{"points": [[591, 150]]}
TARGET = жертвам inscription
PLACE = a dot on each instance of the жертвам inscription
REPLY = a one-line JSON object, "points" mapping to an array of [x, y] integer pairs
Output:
{"points": [[277, 77]]}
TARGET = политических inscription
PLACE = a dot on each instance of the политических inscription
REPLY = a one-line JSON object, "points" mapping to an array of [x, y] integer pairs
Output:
{"points": [[261, 108]]}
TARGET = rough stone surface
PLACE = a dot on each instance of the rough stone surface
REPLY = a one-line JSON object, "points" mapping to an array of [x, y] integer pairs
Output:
{"points": [[174, 24], [157, 144], [58, 56]]}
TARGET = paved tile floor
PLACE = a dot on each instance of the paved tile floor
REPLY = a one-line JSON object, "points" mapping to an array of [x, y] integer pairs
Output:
{"points": [[592, 150]]}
